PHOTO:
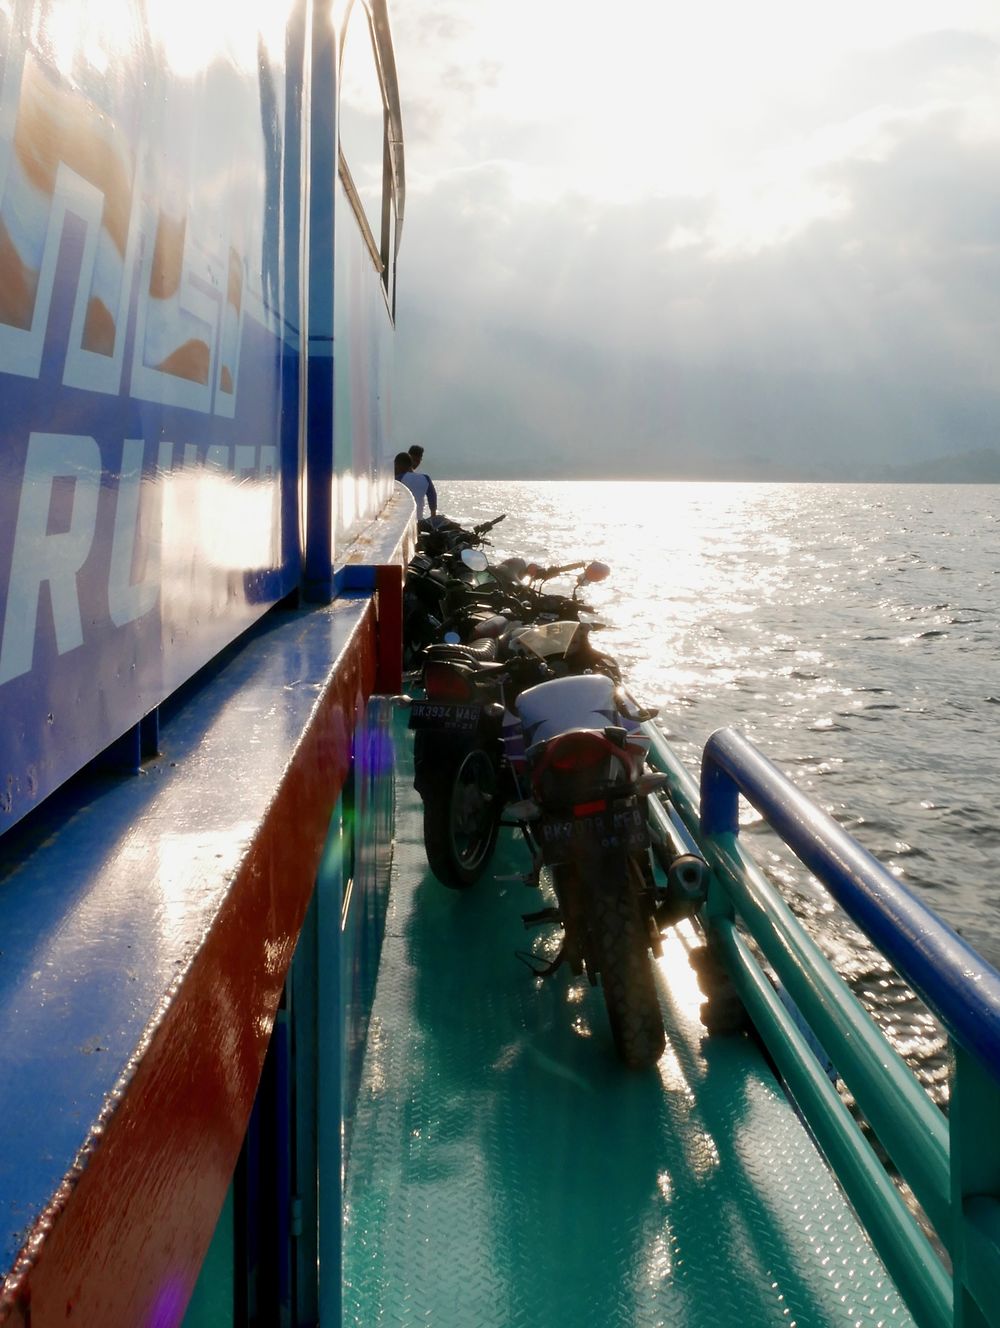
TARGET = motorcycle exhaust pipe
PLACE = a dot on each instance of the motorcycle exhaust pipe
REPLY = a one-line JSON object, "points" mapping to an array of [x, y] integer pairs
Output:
{"points": [[687, 880], [686, 891]]}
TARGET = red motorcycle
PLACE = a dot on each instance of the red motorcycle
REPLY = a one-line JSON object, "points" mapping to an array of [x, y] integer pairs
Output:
{"points": [[587, 816]]}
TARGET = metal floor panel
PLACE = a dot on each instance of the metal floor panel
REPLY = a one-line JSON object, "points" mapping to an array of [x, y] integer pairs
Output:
{"points": [[506, 1171]]}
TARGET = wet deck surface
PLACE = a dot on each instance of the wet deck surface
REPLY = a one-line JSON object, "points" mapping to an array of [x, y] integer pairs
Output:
{"points": [[505, 1170]]}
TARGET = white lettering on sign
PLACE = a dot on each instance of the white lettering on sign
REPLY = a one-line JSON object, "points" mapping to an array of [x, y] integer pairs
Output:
{"points": [[128, 600], [63, 478], [40, 557]]}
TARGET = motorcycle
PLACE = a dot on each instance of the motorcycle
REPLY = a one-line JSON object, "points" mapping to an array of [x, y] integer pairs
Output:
{"points": [[439, 535], [464, 726], [587, 820], [454, 589], [440, 584], [528, 726]]}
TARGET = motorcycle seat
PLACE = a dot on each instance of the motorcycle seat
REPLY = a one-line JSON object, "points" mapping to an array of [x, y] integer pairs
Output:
{"points": [[480, 653], [550, 708]]}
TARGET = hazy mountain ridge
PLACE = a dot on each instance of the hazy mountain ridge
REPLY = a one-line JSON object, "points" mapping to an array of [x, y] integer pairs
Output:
{"points": [[978, 466], [981, 466]]}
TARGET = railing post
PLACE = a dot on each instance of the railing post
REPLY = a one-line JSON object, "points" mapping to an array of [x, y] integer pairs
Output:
{"points": [[974, 1118], [720, 799], [389, 625], [330, 886]]}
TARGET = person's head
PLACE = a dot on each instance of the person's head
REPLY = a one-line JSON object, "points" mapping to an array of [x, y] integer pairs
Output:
{"points": [[416, 454], [402, 463]]}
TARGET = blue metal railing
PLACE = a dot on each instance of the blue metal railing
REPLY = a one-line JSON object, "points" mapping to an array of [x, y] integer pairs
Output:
{"points": [[948, 975], [956, 1180]]}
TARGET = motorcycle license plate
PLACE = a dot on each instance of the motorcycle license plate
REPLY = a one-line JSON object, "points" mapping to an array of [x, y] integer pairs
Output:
{"points": [[562, 836], [445, 717]]}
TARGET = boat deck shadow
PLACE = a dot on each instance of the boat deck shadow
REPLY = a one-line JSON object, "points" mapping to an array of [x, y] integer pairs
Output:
{"points": [[505, 1169]]}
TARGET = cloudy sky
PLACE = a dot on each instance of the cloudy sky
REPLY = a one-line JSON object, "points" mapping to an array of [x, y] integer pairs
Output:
{"points": [[722, 238]]}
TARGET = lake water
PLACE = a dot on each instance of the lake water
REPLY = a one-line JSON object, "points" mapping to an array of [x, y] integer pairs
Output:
{"points": [[851, 631]]}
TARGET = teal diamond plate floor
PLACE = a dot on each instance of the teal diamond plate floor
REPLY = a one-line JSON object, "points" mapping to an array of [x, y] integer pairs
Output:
{"points": [[505, 1171]]}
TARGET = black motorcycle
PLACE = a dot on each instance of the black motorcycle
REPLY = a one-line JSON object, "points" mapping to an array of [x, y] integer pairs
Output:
{"points": [[446, 576], [464, 726]]}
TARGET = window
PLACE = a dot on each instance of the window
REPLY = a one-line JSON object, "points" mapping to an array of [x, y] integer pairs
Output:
{"points": [[363, 128]]}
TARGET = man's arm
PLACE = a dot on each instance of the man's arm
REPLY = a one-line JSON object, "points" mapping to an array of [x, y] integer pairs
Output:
{"points": [[432, 498]]}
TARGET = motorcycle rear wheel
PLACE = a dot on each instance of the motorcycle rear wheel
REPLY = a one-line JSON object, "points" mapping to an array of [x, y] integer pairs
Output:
{"points": [[620, 937], [462, 819]]}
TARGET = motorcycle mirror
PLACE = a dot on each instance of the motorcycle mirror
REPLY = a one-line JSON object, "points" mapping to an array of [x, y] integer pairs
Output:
{"points": [[452, 639], [475, 560], [594, 572]]}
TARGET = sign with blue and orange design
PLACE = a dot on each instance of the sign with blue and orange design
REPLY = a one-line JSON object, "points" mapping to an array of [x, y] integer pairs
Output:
{"points": [[148, 470]]}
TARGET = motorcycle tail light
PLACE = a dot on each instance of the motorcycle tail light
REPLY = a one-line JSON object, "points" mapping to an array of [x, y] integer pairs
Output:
{"points": [[578, 767], [445, 682], [576, 751], [590, 808]]}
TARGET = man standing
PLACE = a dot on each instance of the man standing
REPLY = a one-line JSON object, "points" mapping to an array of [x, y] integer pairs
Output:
{"points": [[417, 484], [416, 453]]}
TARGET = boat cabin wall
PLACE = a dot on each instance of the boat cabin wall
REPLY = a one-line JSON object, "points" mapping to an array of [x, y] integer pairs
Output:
{"points": [[155, 240]]}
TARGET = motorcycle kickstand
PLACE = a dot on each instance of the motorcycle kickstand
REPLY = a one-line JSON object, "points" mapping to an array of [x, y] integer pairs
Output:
{"points": [[529, 878], [538, 969], [542, 916], [526, 878]]}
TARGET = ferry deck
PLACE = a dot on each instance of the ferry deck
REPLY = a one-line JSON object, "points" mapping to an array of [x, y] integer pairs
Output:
{"points": [[504, 1169], [266, 1070]]}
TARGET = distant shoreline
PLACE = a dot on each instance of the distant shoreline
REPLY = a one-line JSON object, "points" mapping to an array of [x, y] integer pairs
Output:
{"points": [[976, 466], [444, 477]]}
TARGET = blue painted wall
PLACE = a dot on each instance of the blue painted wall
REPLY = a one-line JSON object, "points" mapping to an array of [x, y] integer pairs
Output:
{"points": [[153, 227]]}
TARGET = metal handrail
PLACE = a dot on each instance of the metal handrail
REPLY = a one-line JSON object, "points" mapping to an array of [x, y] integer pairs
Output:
{"points": [[956, 983], [956, 1179]]}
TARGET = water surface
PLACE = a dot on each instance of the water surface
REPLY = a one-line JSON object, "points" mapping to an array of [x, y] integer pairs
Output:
{"points": [[851, 631]]}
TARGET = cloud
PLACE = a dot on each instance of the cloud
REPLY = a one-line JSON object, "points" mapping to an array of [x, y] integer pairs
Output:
{"points": [[833, 307]]}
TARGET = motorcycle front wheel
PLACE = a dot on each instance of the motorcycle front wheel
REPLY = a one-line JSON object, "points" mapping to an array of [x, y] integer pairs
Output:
{"points": [[620, 939], [462, 819]]}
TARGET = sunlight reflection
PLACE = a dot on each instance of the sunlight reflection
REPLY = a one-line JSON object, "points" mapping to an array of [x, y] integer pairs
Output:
{"points": [[192, 35], [708, 587], [703, 1154], [673, 1077], [230, 522], [179, 878], [238, 529], [377, 1055], [660, 1261], [709, 538], [678, 974], [96, 33]]}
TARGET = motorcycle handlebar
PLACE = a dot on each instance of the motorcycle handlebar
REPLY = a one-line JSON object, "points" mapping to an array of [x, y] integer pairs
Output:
{"points": [[488, 525], [547, 573]]}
